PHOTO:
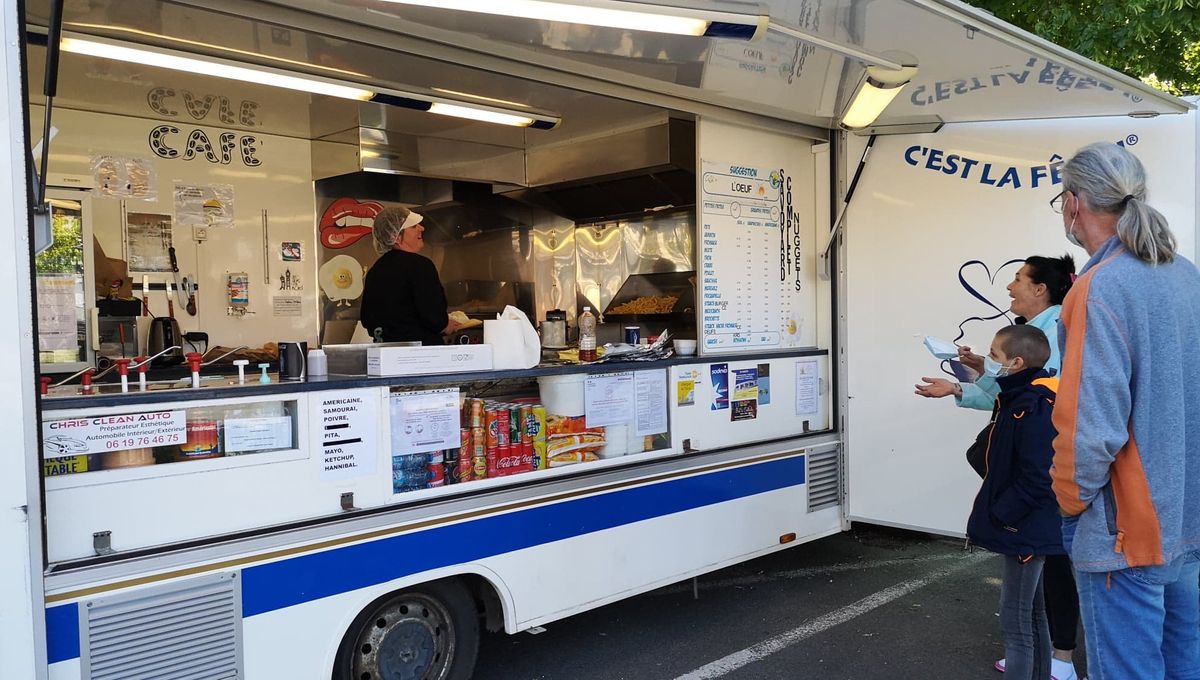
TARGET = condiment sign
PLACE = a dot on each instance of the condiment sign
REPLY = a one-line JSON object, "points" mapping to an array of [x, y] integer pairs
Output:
{"points": [[75, 436]]}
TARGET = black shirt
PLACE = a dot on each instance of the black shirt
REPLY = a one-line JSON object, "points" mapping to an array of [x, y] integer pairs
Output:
{"points": [[403, 295]]}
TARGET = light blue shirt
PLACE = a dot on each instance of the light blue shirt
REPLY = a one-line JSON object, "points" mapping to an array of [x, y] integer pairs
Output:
{"points": [[982, 393]]}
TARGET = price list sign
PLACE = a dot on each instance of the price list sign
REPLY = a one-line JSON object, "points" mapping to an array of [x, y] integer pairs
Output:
{"points": [[745, 297]]}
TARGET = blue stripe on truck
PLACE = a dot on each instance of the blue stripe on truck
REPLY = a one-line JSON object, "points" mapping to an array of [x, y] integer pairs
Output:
{"points": [[276, 585]]}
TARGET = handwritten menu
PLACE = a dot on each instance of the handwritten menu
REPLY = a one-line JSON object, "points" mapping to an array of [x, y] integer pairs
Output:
{"points": [[749, 259]]}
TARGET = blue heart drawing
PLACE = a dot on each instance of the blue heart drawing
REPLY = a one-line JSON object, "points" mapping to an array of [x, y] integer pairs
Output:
{"points": [[962, 280]]}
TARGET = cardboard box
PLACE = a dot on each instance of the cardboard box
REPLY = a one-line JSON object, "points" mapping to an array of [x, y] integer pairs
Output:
{"points": [[390, 361]]}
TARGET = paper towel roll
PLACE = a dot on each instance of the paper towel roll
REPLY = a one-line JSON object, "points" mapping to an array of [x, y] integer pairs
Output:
{"points": [[508, 344]]}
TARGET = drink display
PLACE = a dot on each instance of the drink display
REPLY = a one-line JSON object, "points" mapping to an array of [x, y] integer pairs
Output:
{"points": [[496, 439]]}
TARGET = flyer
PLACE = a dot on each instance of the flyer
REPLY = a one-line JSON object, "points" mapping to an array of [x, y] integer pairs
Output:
{"points": [[685, 392], [745, 384], [608, 399], [764, 384], [148, 238], [204, 205], [719, 374], [75, 436], [651, 391], [807, 376], [425, 420], [745, 409]]}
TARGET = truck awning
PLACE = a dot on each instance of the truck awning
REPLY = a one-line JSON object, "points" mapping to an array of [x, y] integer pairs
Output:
{"points": [[970, 65]]}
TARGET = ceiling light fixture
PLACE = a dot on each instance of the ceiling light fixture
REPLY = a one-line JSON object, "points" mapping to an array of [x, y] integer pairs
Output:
{"points": [[264, 75], [877, 90], [633, 16]]}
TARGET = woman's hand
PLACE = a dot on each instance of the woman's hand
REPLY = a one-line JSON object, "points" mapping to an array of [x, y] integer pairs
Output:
{"points": [[936, 388], [970, 359], [451, 327]]}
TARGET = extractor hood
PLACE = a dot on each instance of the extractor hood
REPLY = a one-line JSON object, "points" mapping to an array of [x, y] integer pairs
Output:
{"points": [[624, 173]]}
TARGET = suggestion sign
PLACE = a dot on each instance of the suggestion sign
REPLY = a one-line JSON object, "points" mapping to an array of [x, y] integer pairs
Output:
{"points": [[77, 436]]}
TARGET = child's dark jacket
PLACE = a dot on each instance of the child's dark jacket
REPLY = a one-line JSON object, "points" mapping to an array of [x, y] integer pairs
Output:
{"points": [[1015, 512]]}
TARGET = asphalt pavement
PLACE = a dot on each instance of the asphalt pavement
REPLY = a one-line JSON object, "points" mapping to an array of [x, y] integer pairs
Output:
{"points": [[868, 603]]}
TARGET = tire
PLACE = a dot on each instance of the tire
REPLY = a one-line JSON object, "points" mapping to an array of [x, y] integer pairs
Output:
{"points": [[427, 632]]}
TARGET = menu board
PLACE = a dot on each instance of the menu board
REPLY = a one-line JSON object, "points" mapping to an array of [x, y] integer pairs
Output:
{"points": [[750, 258]]}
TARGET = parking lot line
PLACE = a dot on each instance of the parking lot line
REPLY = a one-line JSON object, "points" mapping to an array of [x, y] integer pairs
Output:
{"points": [[732, 662]]}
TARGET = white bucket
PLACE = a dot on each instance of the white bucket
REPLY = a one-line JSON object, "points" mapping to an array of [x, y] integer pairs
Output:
{"points": [[615, 441], [562, 395]]}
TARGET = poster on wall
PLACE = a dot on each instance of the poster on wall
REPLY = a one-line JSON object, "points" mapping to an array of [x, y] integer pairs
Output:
{"points": [[148, 240], [345, 250], [124, 177], [749, 258], [204, 205]]}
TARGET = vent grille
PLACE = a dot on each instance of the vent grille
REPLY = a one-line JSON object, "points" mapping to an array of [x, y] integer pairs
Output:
{"points": [[190, 630], [824, 480]]}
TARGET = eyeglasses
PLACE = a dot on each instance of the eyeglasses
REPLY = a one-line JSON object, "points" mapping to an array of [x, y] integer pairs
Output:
{"points": [[1056, 203]]}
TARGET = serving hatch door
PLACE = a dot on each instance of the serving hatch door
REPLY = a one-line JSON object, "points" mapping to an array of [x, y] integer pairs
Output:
{"points": [[937, 229]]}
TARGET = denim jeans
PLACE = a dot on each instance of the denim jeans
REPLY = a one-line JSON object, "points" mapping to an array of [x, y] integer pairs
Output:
{"points": [[1144, 624], [1023, 620]]}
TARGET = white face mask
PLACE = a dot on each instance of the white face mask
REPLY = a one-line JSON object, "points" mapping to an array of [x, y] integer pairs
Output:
{"points": [[994, 369], [1071, 233]]}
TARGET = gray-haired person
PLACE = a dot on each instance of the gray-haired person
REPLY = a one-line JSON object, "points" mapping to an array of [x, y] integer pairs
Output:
{"points": [[402, 294], [1127, 456]]}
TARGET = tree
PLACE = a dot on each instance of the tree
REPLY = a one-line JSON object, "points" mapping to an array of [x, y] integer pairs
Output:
{"points": [[1155, 40]]}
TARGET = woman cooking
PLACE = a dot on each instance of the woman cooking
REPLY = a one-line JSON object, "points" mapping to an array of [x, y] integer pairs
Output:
{"points": [[402, 295]]}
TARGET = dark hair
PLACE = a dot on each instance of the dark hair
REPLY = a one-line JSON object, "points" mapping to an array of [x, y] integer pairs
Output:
{"points": [[1027, 342], [1053, 272]]}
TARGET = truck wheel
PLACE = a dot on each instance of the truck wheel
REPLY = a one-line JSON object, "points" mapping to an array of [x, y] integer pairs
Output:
{"points": [[428, 632]]}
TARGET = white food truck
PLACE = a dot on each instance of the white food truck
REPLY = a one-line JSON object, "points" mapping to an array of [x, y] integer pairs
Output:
{"points": [[804, 188]]}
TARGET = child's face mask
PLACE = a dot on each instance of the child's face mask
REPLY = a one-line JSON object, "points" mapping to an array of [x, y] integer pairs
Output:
{"points": [[995, 369]]}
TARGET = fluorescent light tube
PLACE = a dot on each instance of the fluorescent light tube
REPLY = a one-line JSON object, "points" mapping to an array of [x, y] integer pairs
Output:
{"points": [[212, 67], [264, 75], [631, 16], [877, 90], [480, 115]]}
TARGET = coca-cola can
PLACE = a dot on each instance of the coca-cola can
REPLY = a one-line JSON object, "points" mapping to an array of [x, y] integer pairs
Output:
{"points": [[437, 475]]}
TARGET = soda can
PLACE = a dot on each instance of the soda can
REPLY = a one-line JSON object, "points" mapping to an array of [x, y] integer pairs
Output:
{"points": [[434, 457], [437, 476], [479, 468], [475, 413], [515, 424], [492, 457], [632, 335], [450, 465], [539, 437], [466, 468], [527, 455], [527, 424], [492, 426], [498, 432], [464, 438]]}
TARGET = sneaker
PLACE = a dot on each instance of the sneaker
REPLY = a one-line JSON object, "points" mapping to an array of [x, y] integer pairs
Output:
{"points": [[1059, 669], [1062, 670]]}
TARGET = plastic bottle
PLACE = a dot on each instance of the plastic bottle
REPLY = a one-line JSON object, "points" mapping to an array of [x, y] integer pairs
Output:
{"points": [[318, 363], [587, 335]]}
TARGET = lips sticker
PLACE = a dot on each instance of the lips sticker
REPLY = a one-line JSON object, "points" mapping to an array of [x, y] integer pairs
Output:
{"points": [[346, 221]]}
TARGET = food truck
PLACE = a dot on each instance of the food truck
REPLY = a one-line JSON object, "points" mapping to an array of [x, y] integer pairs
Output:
{"points": [[193, 490]]}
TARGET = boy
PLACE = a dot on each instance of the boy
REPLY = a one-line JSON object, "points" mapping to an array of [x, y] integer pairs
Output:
{"points": [[1015, 513]]}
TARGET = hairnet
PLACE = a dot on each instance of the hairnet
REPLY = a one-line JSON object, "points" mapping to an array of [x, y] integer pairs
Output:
{"points": [[389, 223]]}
